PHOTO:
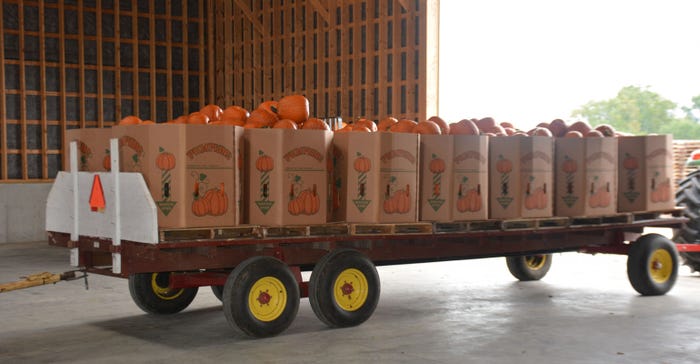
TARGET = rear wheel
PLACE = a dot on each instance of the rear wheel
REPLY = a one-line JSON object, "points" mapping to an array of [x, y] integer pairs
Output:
{"points": [[261, 297], [652, 265], [344, 288], [688, 195], [151, 292], [529, 267]]}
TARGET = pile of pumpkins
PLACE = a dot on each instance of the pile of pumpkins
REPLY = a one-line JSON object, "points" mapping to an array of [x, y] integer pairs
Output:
{"points": [[292, 112]]}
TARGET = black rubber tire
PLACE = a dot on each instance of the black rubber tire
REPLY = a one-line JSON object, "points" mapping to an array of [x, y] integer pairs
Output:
{"points": [[163, 303], [237, 291], [218, 291], [688, 195], [322, 283], [641, 261], [529, 267]]}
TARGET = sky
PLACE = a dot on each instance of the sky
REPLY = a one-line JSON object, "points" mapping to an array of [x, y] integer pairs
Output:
{"points": [[536, 60]]}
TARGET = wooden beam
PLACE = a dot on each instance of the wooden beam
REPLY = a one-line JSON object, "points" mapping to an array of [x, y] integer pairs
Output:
{"points": [[404, 4], [248, 14], [322, 11]]}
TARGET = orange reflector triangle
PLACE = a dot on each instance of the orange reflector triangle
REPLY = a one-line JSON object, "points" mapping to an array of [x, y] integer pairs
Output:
{"points": [[97, 196]]}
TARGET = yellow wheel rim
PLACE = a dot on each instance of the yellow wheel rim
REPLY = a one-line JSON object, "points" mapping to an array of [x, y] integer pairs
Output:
{"points": [[535, 262], [351, 289], [159, 285], [267, 299], [660, 265]]}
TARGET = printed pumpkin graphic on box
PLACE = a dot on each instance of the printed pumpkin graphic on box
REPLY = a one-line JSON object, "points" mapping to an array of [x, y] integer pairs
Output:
{"points": [[397, 200], [536, 197], [361, 165], [437, 168], [264, 164], [469, 199], [208, 200], [631, 165], [303, 200], [504, 166], [165, 162]]}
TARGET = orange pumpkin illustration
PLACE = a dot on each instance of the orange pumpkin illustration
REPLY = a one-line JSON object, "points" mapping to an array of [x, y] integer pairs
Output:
{"points": [[362, 164], [165, 161], [504, 165], [437, 165], [264, 163]]}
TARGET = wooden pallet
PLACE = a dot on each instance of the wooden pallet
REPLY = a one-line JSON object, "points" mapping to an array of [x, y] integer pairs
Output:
{"points": [[535, 223], [391, 229], [234, 232], [466, 226], [600, 220]]}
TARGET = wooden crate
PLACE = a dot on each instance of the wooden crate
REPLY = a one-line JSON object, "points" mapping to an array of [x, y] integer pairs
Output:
{"points": [[681, 152], [87, 63], [363, 58]]}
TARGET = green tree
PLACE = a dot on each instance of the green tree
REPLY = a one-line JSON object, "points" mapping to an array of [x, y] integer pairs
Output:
{"points": [[638, 110]]}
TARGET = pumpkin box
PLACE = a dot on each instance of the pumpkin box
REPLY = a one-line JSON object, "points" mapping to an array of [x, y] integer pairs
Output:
{"points": [[375, 177], [288, 176], [521, 177], [93, 149], [453, 177], [191, 170], [585, 176], [645, 168]]}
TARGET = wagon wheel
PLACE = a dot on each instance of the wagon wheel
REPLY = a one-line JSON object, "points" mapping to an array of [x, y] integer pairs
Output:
{"points": [[261, 297], [151, 292], [688, 196], [529, 267], [344, 288], [218, 291], [652, 265]]}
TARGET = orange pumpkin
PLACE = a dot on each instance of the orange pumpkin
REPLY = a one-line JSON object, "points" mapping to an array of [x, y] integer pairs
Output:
{"points": [[293, 107], [261, 118], [182, 119], [235, 113], [264, 163], [403, 126], [464, 127], [437, 165], [285, 124], [269, 106], [165, 161], [147, 122], [386, 123], [444, 127], [212, 111], [315, 124], [217, 200], [362, 164], [197, 118], [130, 120], [369, 124], [427, 127]]}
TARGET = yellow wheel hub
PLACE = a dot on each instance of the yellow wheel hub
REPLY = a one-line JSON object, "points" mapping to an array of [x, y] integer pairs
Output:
{"points": [[267, 299], [351, 289], [535, 262], [660, 265], [159, 285]]}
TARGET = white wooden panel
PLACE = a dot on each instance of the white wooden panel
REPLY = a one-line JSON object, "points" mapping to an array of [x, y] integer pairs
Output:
{"points": [[139, 219]]}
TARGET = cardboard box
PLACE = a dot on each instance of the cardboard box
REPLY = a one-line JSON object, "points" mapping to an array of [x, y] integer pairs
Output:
{"points": [[288, 176], [521, 177], [375, 177], [645, 173], [192, 171], [585, 176], [93, 149], [453, 177]]}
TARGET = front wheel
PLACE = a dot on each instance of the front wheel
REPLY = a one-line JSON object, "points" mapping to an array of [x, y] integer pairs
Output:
{"points": [[529, 267], [151, 292], [261, 297], [652, 265], [344, 288]]}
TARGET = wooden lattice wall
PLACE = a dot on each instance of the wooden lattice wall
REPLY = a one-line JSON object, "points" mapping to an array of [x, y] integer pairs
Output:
{"points": [[369, 58], [83, 63]]}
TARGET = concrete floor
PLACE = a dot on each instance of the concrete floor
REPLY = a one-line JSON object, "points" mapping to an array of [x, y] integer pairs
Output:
{"points": [[583, 311]]}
